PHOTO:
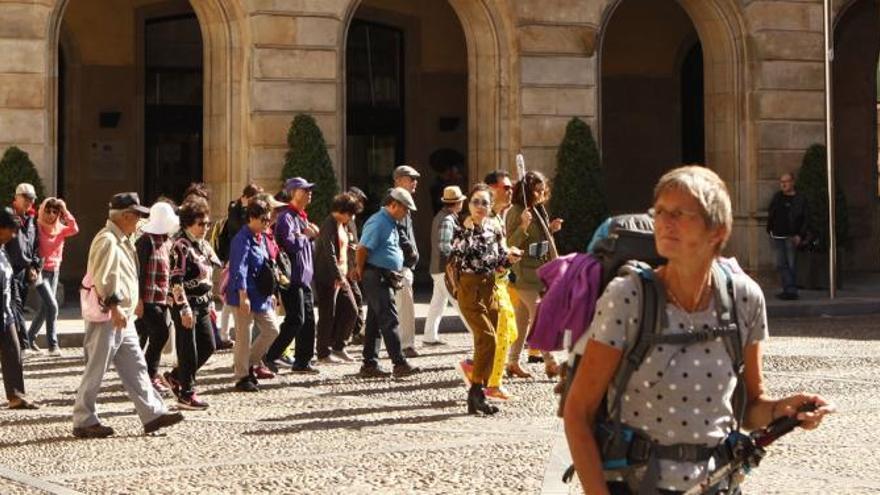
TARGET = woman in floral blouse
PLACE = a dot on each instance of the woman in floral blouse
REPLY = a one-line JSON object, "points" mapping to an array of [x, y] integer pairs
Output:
{"points": [[192, 265], [479, 250]]}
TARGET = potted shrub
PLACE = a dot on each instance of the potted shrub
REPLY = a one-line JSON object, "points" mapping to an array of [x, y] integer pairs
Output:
{"points": [[812, 183], [307, 157], [16, 167], [578, 196]]}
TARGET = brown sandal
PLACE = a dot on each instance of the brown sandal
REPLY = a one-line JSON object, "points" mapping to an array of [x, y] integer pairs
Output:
{"points": [[22, 404], [514, 370], [551, 369]]}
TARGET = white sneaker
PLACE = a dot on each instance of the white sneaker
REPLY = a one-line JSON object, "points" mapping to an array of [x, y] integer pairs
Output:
{"points": [[330, 359], [342, 356]]}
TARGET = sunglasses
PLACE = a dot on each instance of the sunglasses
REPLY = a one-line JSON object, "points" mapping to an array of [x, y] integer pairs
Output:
{"points": [[480, 202], [203, 223], [53, 211]]}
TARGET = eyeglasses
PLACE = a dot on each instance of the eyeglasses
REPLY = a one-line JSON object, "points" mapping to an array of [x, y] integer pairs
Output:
{"points": [[673, 215], [480, 202], [204, 223]]}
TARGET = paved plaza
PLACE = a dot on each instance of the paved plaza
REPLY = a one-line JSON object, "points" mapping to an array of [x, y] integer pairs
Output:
{"points": [[335, 433]]}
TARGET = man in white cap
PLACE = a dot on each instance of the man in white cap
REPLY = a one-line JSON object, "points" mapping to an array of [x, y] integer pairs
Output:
{"points": [[154, 274], [442, 228], [407, 178], [114, 272], [379, 261], [24, 255]]}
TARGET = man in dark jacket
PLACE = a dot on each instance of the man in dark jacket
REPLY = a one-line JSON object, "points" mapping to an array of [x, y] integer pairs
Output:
{"points": [[787, 225], [24, 255], [294, 234], [236, 217]]}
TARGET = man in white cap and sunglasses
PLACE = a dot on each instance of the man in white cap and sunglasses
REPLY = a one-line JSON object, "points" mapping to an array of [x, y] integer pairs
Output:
{"points": [[24, 255], [113, 268], [407, 178]]}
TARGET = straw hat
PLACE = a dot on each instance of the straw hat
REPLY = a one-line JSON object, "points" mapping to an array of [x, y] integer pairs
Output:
{"points": [[452, 194]]}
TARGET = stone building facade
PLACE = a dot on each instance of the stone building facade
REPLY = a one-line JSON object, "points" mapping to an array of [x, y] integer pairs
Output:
{"points": [[110, 95]]}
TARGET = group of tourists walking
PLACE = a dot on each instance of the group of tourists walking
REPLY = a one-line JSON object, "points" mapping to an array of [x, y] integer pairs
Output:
{"points": [[151, 274]]}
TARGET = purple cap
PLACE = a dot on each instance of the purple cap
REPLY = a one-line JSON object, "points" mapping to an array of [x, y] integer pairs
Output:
{"points": [[297, 183]]}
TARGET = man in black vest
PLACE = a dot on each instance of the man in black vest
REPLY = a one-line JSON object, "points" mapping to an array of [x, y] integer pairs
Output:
{"points": [[787, 220]]}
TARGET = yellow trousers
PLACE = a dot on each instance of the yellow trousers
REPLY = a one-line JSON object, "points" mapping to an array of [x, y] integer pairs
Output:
{"points": [[505, 330]]}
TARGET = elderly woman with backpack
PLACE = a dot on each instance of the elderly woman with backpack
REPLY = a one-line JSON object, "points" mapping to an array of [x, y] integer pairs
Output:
{"points": [[479, 250], [655, 403]]}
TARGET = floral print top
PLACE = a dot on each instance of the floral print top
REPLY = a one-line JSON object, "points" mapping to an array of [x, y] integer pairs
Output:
{"points": [[480, 249]]}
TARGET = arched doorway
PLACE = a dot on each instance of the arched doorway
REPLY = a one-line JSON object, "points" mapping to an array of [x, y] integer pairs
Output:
{"points": [[856, 101], [406, 93], [652, 98], [406, 100], [143, 99]]}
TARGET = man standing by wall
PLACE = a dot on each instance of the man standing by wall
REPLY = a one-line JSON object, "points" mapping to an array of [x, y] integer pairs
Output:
{"points": [[407, 178], [24, 255], [787, 223], [113, 268]]}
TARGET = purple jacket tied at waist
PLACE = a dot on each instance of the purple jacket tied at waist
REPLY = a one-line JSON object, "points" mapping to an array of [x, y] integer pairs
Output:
{"points": [[290, 237], [573, 287]]}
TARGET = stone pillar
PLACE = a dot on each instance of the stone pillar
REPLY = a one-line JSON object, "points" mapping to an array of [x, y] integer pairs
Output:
{"points": [[23, 82], [557, 60], [295, 69]]}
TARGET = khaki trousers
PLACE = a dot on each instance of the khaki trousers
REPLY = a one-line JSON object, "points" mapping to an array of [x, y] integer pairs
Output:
{"points": [[476, 300]]}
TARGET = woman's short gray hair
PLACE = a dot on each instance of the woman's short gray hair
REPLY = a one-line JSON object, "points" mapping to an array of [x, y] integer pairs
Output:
{"points": [[707, 188]]}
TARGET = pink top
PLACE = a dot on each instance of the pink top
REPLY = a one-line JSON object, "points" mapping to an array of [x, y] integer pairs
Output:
{"points": [[52, 241]]}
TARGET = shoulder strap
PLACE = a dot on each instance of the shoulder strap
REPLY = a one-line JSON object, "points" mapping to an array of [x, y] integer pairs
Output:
{"points": [[728, 317]]}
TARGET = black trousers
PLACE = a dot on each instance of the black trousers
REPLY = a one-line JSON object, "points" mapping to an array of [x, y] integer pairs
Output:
{"points": [[360, 318], [153, 331], [10, 362], [298, 325], [382, 319], [337, 315], [194, 346], [19, 298]]}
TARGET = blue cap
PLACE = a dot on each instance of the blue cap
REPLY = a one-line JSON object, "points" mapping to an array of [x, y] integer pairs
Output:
{"points": [[297, 183]]}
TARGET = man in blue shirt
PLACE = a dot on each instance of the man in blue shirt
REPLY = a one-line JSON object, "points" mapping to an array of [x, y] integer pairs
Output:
{"points": [[379, 261]]}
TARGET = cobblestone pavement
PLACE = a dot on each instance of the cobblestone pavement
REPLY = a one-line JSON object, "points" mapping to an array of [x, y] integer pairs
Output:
{"points": [[335, 433]]}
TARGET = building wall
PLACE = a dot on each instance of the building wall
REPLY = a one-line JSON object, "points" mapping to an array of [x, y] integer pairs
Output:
{"points": [[532, 65]]}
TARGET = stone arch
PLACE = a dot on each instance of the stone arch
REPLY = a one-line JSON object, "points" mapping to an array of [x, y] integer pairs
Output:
{"points": [[721, 29], [492, 83], [224, 104]]}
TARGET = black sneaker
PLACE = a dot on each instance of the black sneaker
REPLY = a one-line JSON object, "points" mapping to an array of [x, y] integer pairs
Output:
{"points": [[304, 370], [535, 359], [247, 384], [372, 371], [405, 369], [163, 421], [95, 431], [271, 365]]}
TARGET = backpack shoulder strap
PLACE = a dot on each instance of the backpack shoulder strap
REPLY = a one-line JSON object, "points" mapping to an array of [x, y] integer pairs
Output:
{"points": [[728, 317], [652, 320]]}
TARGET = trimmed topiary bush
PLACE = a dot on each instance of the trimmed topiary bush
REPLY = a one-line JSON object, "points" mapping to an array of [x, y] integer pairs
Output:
{"points": [[16, 167], [812, 182], [307, 157], [578, 196]]}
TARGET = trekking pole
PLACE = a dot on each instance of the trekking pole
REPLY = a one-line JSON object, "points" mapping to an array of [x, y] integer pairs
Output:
{"points": [[749, 452]]}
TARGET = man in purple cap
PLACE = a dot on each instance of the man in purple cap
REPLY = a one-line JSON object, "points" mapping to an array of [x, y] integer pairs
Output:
{"points": [[294, 234]]}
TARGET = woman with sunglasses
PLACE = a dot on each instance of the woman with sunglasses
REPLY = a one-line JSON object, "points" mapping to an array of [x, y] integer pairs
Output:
{"points": [[479, 249], [192, 267], [530, 229], [55, 224], [248, 257]]}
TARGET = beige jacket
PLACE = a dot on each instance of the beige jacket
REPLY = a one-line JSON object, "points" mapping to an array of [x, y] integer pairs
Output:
{"points": [[114, 268]]}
